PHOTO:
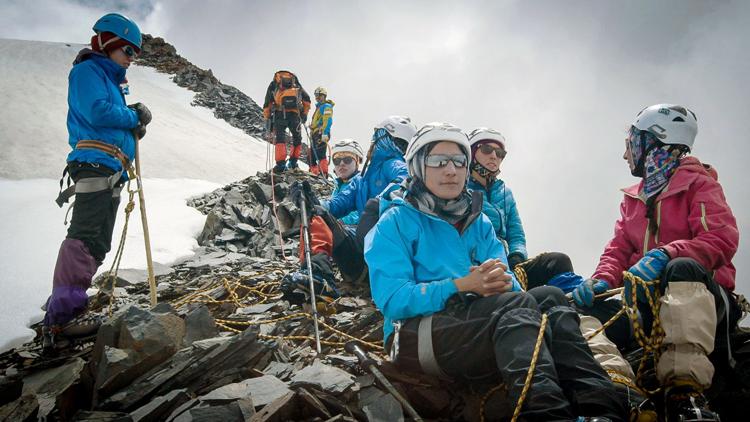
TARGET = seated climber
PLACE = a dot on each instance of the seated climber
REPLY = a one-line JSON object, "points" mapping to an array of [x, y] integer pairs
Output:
{"points": [[331, 239], [452, 308], [347, 156], [488, 150], [677, 232]]}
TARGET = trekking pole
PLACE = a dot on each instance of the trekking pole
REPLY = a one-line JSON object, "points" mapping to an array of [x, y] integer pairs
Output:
{"points": [[608, 293], [315, 154], [146, 238], [370, 365], [306, 234]]}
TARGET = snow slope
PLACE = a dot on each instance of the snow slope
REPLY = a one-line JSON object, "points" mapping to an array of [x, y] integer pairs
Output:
{"points": [[187, 152], [182, 141]]}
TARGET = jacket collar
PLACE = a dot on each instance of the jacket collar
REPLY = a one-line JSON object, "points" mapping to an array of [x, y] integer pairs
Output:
{"points": [[393, 196], [690, 169]]}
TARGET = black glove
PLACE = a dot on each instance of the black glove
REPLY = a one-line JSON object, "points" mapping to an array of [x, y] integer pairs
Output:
{"points": [[514, 259], [303, 117], [303, 191], [139, 131], [144, 114]]}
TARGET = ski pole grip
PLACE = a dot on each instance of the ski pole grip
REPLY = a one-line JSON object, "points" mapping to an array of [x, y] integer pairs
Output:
{"points": [[353, 348]]}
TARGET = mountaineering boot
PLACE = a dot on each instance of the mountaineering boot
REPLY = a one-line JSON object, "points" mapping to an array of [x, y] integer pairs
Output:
{"points": [[292, 164], [296, 285], [280, 167], [686, 404], [640, 408], [315, 170]]}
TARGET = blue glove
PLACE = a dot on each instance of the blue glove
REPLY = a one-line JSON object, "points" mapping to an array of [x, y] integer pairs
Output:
{"points": [[583, 295], [651, 265]]}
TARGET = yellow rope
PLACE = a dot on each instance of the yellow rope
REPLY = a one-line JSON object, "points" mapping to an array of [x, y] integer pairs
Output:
{"points": [[225, 324], [532, 366], [521, 276], [121, 246]]}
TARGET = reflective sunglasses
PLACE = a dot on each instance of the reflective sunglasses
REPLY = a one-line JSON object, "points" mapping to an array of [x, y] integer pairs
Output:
{"points": [[440, 160], [129, 51], [489, 149], [345, 159]]}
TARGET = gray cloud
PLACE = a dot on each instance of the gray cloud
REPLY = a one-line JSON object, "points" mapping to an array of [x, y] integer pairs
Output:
{"points": [[562, 80]]}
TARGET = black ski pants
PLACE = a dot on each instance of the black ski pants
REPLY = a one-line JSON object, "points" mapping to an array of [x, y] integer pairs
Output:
{"points": [[282, 121], [94, 213], [492, 339]]}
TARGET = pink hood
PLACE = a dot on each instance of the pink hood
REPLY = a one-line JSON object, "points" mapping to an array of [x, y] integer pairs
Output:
{"points": [[694, 219]]}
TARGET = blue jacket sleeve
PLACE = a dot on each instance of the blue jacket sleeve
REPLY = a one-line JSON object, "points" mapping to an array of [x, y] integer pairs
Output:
{"points": [[396, 171], [516, 237], [94, 102], [351, 219], [344, 201], [395, 291], [490, 247]]}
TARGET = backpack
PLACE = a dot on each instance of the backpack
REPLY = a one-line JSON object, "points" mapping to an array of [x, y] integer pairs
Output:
{"points": [[287, 95]]}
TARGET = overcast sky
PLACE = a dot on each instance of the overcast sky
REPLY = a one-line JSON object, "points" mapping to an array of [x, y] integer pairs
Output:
{"points": [[562, 81]]}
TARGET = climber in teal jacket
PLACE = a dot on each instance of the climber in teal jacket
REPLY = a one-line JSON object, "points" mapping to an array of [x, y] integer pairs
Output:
{"points": [[488, 151]]}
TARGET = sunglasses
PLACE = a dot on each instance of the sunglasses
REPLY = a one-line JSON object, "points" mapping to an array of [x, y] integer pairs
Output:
{"points": [[129, 51], [346, 160], [439, 160], [489, 149]]}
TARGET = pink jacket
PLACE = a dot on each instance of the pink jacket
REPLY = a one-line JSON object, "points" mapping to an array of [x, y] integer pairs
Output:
{"points": [[694, 221]]}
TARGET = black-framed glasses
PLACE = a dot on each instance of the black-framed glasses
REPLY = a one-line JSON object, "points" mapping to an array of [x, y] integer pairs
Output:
{"points": [[129, 51], [440, 160], [489, 149], [346, 160]]}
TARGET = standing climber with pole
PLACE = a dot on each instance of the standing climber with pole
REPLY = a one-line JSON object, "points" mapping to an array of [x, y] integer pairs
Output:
{"points": [[102, 131], [320, 129]]}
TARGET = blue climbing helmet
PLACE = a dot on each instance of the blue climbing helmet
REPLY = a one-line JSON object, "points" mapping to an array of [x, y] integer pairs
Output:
{"points": [[121, 26]]}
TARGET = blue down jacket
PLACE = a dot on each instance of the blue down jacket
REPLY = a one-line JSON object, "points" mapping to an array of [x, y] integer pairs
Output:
{"points": [[351, 219], [386, 166], [97, 109], [414, 257], [500, 207]]}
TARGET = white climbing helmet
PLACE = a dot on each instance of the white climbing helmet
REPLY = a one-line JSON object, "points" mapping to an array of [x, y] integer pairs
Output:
{"points": [[437, 132], [398, 127], [485, 133], [321, 91], [670, 123], [348, 145]]}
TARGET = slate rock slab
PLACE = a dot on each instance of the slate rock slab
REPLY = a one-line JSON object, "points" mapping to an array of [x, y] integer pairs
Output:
{"points": [[326, 377], [263, 390]]}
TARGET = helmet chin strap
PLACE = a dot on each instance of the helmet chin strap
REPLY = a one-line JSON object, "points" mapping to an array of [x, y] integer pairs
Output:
{"points": [[480, 171]]}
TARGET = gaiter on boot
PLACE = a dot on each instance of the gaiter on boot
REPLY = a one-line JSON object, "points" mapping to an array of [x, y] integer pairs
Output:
{"points": [[688, 316]]}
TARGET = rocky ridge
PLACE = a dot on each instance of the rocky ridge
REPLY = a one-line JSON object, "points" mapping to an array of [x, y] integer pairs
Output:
{"points": [[223, 343], [227, 102]]}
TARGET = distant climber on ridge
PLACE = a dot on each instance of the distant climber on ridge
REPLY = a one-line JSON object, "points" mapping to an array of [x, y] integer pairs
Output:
{"points": [[286, 106], [320, 132]]}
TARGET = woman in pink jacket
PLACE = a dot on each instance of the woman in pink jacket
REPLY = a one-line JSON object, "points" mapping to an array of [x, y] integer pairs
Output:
{"points": [[675, 227]]}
